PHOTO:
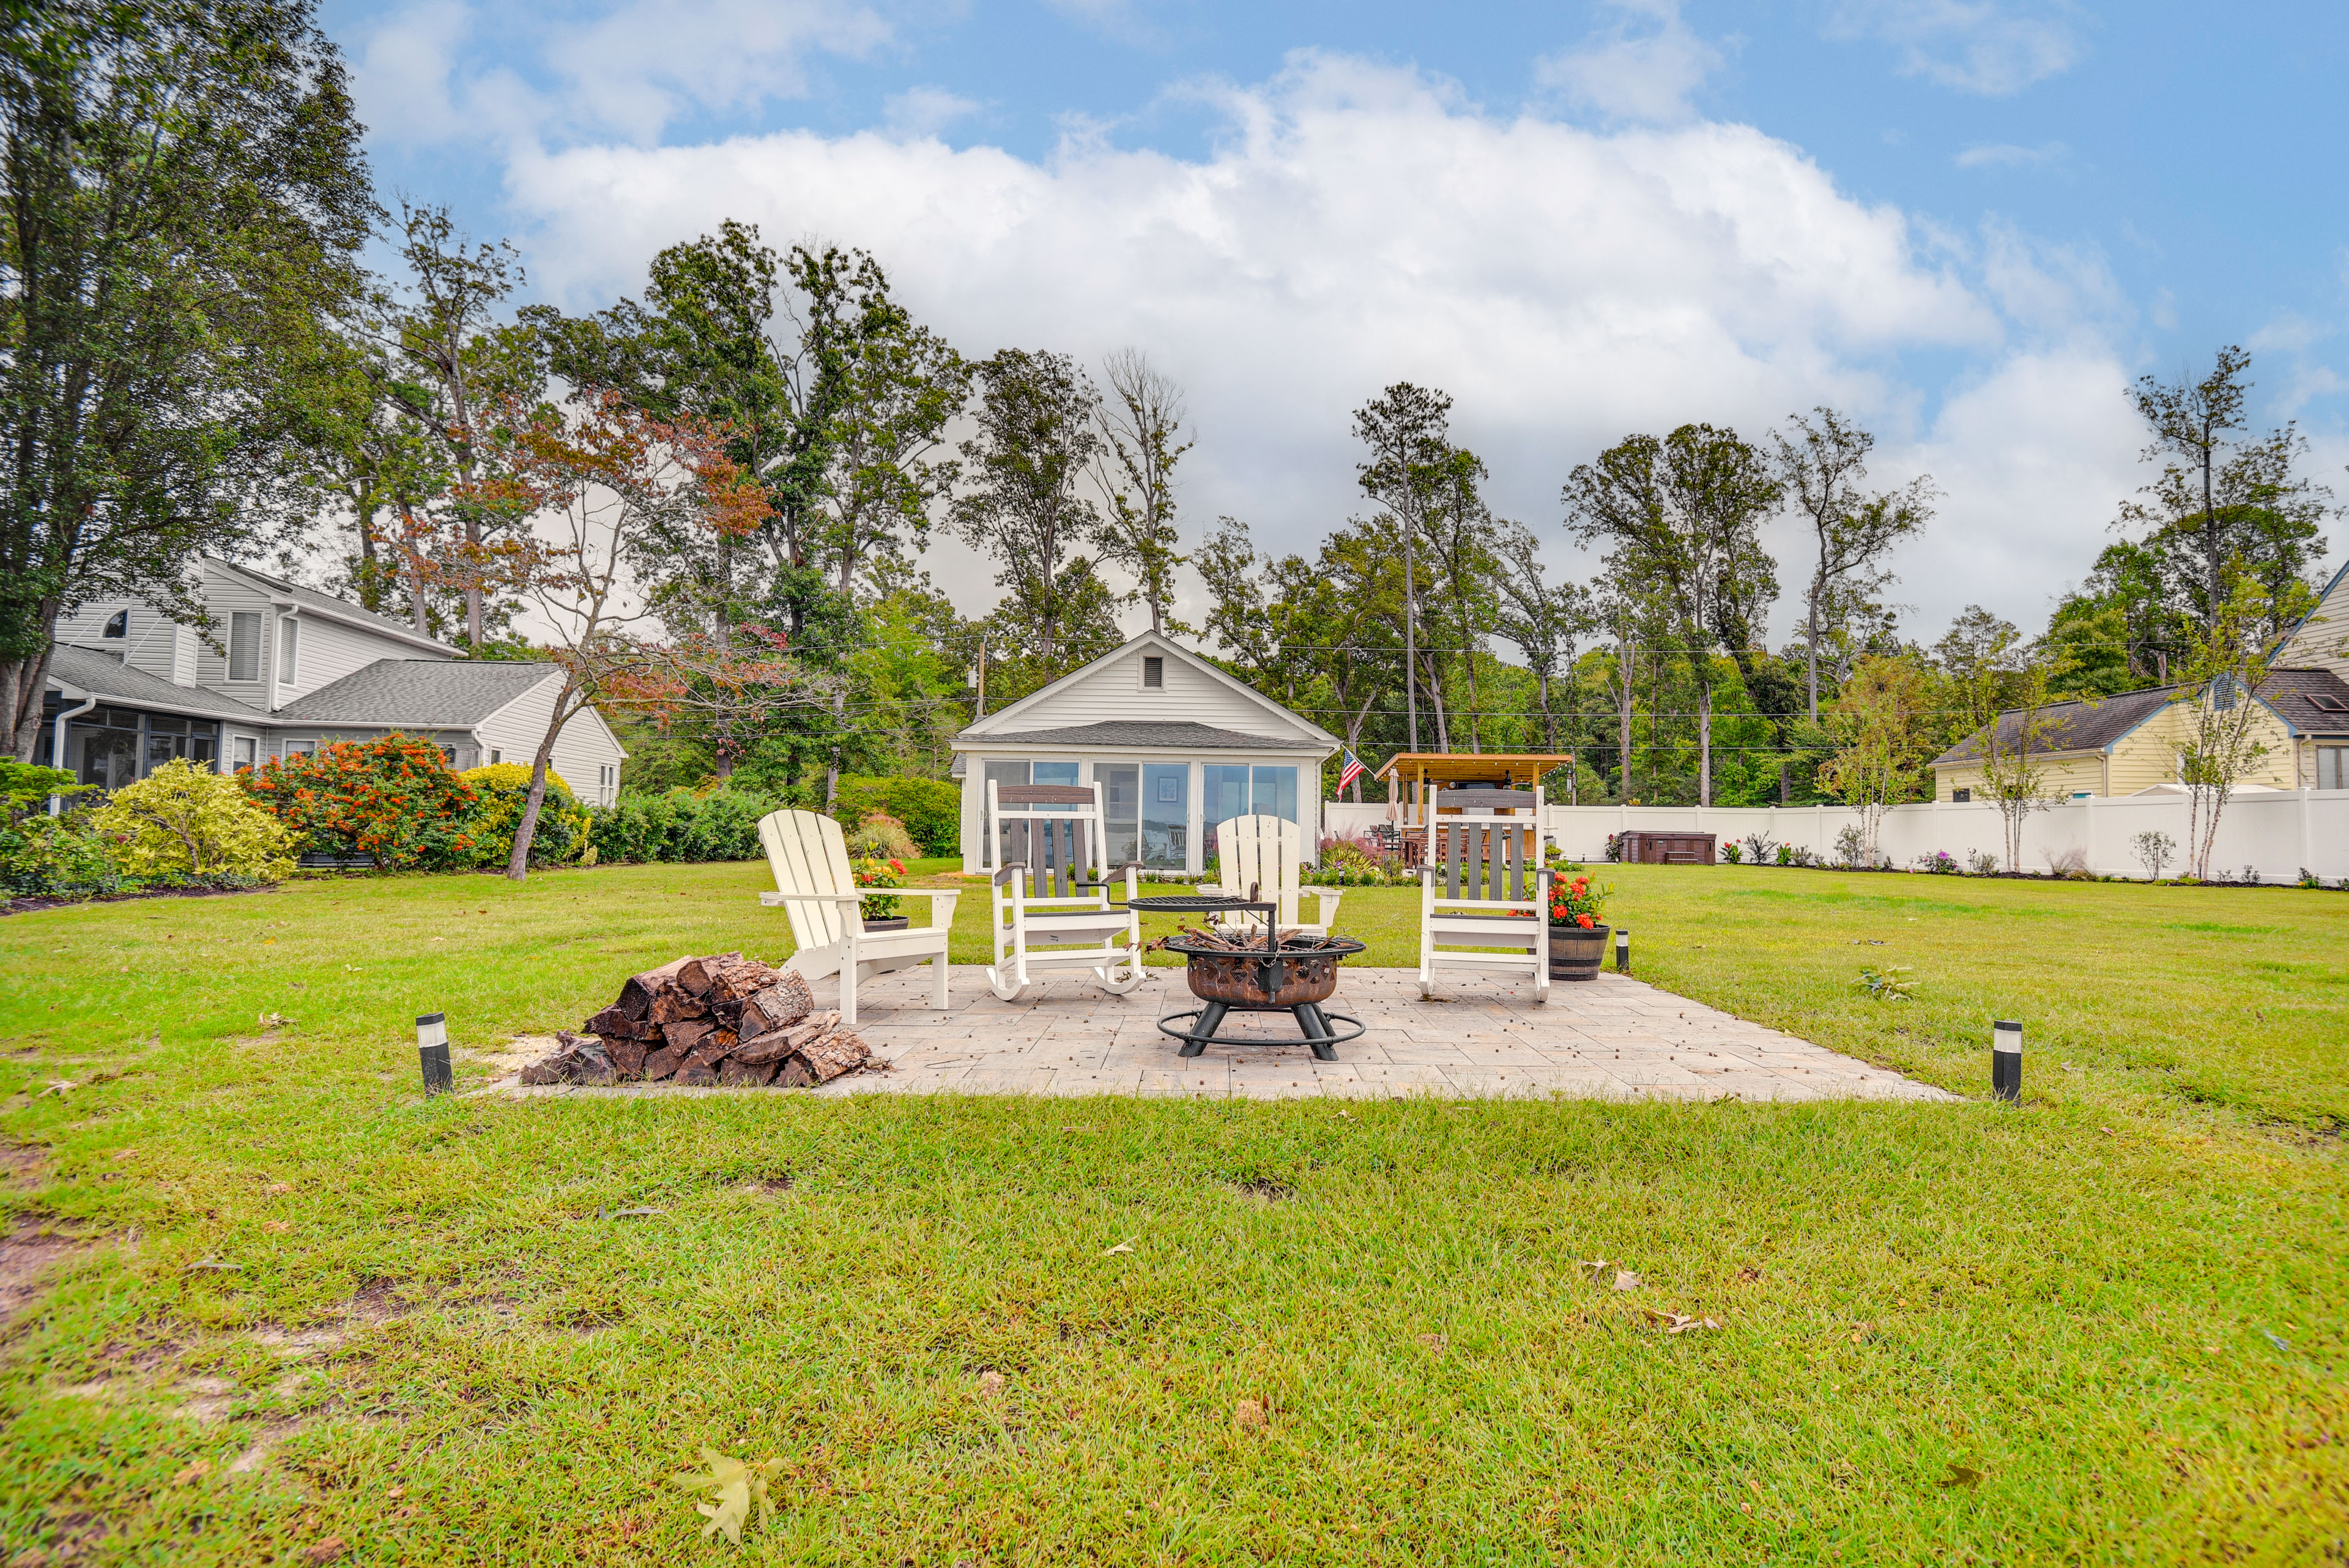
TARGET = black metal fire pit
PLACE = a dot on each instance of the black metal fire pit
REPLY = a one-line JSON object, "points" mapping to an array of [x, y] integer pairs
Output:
{"points": [[1294, 976]]}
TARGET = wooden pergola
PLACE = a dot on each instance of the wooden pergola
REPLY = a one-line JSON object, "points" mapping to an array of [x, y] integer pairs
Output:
{"points": [[1412, 772]]}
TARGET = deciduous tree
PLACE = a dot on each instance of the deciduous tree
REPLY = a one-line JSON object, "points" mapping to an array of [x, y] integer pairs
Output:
{"points": [[1820, 471], [1142, 431]]}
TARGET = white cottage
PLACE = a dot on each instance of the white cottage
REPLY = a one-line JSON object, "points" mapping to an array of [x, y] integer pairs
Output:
{"points": [[1174, 743]]}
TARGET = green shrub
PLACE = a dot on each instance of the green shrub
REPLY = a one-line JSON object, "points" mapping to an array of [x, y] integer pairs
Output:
{"points": [[43, 853], [881, 837], [930, 809], [186, 823], [393, 798], [681, 825], [500, 791]]}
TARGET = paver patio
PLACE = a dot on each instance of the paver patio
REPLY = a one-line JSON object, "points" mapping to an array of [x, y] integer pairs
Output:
{"points": [[1615, 1038]]}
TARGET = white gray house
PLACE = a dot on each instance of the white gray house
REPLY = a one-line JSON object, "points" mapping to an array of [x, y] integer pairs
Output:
{"points": [[285, 670], [1174, 745]]}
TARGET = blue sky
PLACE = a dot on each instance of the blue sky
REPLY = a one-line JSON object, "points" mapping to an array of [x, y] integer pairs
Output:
{"points": [[1969, 222]]}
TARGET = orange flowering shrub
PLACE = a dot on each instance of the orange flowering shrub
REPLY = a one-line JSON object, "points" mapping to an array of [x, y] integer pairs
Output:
{"points": [[1577, 903], [393, 798]]}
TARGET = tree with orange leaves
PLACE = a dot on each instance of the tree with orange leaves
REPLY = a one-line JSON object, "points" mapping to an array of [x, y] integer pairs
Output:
{"points": [[589, 492]]}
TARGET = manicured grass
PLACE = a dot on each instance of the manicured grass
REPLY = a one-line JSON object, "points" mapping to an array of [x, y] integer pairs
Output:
{"points": [[2118, 1307]]}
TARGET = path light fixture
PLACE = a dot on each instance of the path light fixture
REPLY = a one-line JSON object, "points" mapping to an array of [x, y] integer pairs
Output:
{"points": [[1622, 950], [2006, 1062], [433, 1051]]}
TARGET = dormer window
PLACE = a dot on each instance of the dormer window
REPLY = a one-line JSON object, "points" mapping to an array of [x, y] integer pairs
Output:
{"points": [[117, 625], [1154, 672]]}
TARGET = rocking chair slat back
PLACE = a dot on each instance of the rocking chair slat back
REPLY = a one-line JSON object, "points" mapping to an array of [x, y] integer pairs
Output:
{"points": [[1050, 827], [1264, 853], [1495, 853]]}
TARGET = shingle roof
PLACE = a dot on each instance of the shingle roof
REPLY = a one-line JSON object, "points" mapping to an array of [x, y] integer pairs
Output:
{"points": [[2086, 726], [316, 600], [104, 675], [1170, 737], [435, 694], [2288, 693]]}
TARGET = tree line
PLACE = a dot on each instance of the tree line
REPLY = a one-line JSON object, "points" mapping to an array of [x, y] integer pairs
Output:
{"points": [[719, 490]]}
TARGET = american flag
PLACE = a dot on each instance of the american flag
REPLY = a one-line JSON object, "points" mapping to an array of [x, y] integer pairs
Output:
{"points": [[1351, 771]]}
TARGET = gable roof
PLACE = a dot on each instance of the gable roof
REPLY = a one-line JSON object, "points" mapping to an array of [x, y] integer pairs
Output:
{"points": [[2080, 726], [2288, 693], [334, 609], [427, 694], [1149, 735], [1000, 725], [104, 675]]}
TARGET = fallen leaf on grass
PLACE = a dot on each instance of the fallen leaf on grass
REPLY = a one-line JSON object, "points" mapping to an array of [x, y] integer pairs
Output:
{"points": [[328, 1551], [1248, 1415], [1746, 1276], [212, 1264], [990, 1383], [1677, 1322], [280, 1187], [194, 1473], [1120, 1247], [1859, 1331], [1435, 1341], [627, 1213], [1625, 1280], [1596, 1267], [276, 1227], [1960, 1475], [734, 1484]]}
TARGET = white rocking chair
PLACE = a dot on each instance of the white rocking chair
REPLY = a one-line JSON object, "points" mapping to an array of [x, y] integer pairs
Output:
{"points": [[1265, 853], [817, 888], [1494, 889], [1043, 833]]}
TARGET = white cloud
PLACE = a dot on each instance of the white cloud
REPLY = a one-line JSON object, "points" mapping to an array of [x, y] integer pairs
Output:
{"points": [[1647, 77], [926, 110], [1990, 47], [2007, 155], [631, 70], [1360, 225]]}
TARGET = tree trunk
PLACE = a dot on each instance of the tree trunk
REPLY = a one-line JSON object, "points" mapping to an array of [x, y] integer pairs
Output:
{"points": [[1811, 650], [22, 682], [1703, 742], [518, 863], [1625, 694], [1435, 695]]}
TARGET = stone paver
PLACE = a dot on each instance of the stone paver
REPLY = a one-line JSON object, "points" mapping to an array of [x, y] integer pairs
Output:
{"points": [[1614, 1038]]}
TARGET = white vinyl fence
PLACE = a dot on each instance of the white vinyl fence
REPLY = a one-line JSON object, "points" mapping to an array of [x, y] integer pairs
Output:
{"points": [[2276, 833]]}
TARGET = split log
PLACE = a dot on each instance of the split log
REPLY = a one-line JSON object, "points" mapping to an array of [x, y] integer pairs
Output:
{"points": [[661, 1063], [682, 1038], [712, 1050], [576, 1062], [796, 1075], [674, 1005], [734, 1074], [614, 1024], [737, 979], [828, 1055], [700, 975], [627, 1056], [776, 1044], [779, 1006], [637, 996], [695, 1076]]}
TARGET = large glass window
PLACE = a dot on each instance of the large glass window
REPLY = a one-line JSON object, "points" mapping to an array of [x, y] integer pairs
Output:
{"points": [[102, 747], [1120, 796], [1230, 790], [1165, 815], [2332, 767], [1055, 773], [1276, 792], [244, 646]]}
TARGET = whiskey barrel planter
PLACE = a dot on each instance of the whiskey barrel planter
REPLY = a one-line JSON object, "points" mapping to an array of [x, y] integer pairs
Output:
{"points": [[1575, 952]]}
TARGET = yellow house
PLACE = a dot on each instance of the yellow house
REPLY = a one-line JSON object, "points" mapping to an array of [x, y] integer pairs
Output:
{"points": [[2311, 688], [2114, 745]]}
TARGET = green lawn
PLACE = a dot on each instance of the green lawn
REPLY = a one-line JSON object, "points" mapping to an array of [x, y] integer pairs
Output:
{"points": [[2106, 1327]]}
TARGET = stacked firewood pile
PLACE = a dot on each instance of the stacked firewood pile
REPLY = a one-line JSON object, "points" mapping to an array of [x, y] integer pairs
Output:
{"points": [[721, 1019]]}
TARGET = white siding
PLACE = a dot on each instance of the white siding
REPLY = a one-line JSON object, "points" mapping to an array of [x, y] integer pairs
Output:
{"points": [[223, 595], [152, 643], [1114, 692], [325, 652], [585, 747], [184, 643], [2322, 642]]}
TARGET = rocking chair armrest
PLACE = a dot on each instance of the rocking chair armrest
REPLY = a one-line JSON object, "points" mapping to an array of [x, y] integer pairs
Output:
{"points": [[1010, 869], [915, 893], [772, 901]]}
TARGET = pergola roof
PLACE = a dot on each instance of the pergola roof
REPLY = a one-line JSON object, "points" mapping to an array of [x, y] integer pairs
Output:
{"points": [[1452, 767]]}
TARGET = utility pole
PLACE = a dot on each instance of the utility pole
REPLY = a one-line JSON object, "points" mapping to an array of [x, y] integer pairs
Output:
{"points": [[982, 679], [1409, 649]]}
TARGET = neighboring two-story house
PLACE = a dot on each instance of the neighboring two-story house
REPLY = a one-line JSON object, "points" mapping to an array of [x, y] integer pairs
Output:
{"points": [[2130, 744], [285, 670]]}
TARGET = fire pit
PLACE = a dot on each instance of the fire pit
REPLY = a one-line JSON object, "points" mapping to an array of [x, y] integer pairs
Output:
{"points": [[1293, 977]]}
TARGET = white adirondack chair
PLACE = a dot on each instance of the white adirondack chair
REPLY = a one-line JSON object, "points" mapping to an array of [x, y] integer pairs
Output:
{"points": [[1484, 885], [816, 888], [1047, 915], [1266, 853]]}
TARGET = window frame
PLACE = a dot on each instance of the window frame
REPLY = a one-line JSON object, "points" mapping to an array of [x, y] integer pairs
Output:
{"points": [[244, 647]]}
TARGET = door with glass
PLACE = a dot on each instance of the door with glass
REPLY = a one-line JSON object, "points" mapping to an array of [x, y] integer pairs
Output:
{"points": [[1120, 798]]}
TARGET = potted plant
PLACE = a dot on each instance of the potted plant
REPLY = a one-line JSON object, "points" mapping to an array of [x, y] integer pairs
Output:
{"points": [[1577, 931], [880, 912]]}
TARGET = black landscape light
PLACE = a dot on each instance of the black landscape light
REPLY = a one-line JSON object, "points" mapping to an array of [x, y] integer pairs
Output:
{"points": [[2006, 1062], [433, 1051], [1622, 950]]}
